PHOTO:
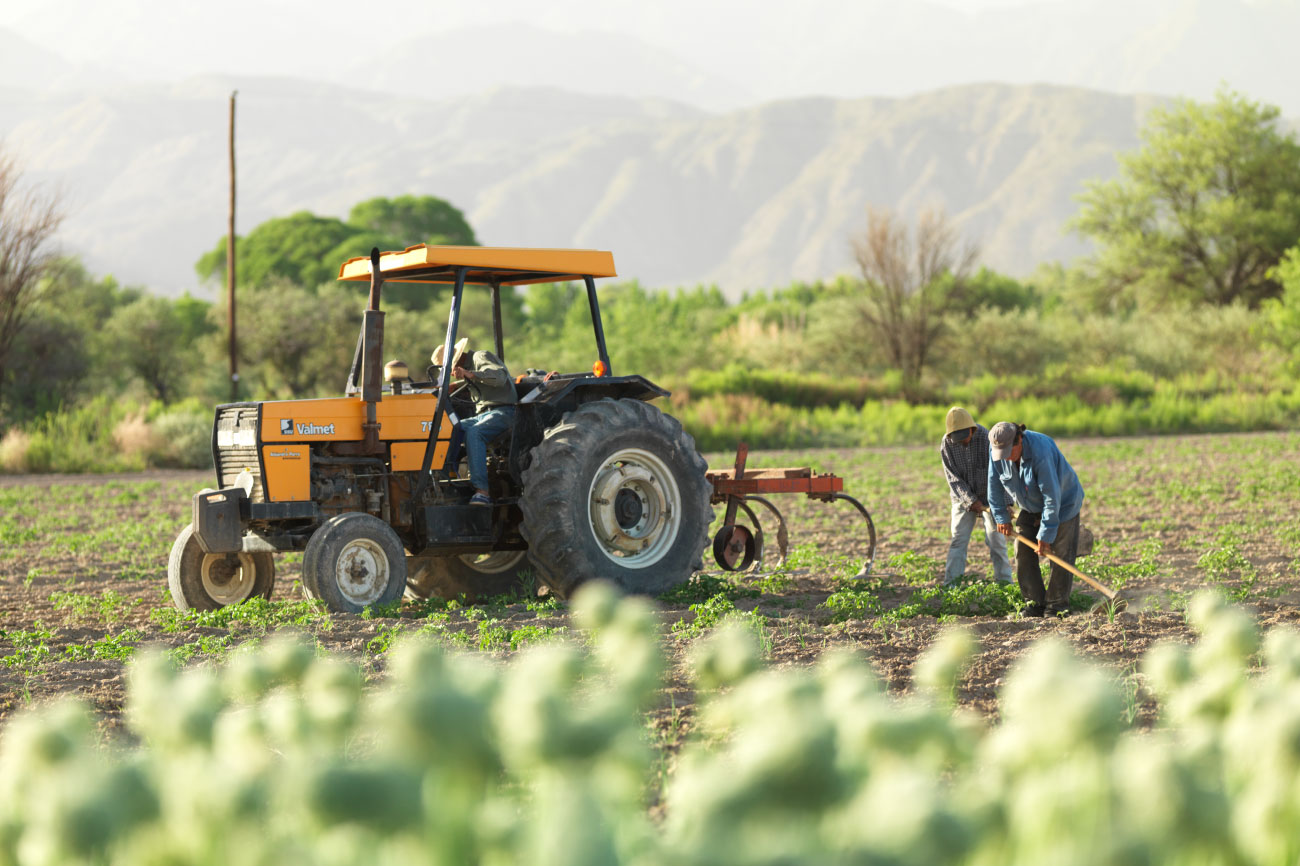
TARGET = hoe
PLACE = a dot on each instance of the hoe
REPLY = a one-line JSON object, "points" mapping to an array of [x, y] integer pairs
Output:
{"points": [[1114, 601]]}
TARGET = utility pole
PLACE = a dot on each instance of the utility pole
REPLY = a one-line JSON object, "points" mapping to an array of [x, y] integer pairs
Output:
{"points": [[230, 262]]}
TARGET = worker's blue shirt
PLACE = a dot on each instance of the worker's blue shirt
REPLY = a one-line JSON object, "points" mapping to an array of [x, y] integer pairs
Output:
{"points": [[1041, 482]]}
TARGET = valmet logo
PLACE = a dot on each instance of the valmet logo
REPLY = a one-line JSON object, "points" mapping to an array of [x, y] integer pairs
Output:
{"points": [[287, 428]]}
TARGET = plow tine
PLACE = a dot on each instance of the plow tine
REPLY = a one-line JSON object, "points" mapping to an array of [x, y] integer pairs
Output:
{"points": [[757, 564], [782, 535], [871, 532]]}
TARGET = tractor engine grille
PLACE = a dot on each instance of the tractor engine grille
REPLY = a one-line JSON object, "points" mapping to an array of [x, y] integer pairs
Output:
{"points": [[237, 448]]}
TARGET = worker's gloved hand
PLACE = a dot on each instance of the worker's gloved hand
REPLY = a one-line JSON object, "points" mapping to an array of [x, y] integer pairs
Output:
{"points": [[1044, 548], [1005, 529]]}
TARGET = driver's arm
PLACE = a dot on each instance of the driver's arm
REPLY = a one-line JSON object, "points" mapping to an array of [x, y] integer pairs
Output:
{"points": [[489, 371]]}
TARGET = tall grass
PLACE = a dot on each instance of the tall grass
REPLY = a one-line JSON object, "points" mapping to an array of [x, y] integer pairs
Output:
{"points": [[718, 422], [111, 436]]}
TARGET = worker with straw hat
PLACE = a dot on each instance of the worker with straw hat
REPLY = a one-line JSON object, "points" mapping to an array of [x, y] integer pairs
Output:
{"points": [[964, 453]]}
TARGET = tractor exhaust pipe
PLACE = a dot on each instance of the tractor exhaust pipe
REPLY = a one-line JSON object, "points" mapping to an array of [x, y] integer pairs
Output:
{"points": [[372, 355]]}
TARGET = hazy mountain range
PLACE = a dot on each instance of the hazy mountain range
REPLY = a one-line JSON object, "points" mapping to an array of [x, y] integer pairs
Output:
{"points": [[747, 199]]}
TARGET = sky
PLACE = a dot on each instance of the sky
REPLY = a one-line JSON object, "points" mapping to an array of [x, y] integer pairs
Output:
{"points": [[714, 54]]}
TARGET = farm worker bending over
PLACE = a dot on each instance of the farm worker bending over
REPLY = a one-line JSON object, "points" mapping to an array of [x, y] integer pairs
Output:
{"points": [[494, 397], [964, 452], [1028, 468]]}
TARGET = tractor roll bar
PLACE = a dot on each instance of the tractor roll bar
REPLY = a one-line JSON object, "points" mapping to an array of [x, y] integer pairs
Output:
{"points": [[498, 338], [595, 323], [444, 384]]}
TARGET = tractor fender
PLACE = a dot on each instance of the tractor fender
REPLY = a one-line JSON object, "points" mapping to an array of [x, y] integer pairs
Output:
{"points": [[543, 407]]}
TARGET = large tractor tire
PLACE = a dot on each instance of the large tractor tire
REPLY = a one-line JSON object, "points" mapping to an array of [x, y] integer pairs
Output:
{"points": [[473, 576], [353, 561], [207, 581], [616, 491]]}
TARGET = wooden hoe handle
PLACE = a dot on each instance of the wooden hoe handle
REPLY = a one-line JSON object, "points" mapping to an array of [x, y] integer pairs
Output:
{"points": [[1033, 545]]}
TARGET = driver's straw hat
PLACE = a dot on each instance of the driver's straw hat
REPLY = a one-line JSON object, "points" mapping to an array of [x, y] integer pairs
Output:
{"points": [[436, 357], [958, 419]]}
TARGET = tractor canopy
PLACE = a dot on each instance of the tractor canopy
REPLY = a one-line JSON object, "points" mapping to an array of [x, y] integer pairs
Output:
{"points": [[501, 266]]}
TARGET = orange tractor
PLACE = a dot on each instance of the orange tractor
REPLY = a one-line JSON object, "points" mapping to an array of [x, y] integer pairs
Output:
{"points": [[592, 481]]}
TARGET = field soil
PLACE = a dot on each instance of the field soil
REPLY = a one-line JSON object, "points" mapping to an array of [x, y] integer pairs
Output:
{"points": [[83, 574]]}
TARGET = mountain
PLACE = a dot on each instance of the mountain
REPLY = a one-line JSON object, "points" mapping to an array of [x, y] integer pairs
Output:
{"points": [[585, 61], [747, 199]]}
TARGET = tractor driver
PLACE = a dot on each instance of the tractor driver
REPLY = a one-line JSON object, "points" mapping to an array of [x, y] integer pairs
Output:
{"points": [[493, 392]]}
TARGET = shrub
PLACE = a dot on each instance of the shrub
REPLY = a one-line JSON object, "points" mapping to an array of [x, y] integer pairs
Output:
{"points": [[13, 451], [274, 758]]}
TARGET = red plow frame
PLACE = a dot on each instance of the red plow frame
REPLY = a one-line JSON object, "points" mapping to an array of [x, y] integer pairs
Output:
{"points": [[735, 546]]}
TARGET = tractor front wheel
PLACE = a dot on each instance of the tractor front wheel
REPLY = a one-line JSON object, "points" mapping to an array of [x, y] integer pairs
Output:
{"points": [[207, 581], [353, 561], [616, 491]]}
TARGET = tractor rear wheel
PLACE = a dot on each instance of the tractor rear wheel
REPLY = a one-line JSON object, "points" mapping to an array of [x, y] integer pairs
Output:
{"points": [[353, 561], [616, 491], [207, 581], [472, 575]]}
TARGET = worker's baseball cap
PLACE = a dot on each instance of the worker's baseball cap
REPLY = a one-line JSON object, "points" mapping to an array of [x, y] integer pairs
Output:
{"points": [[1001, 439], [958, 419]]}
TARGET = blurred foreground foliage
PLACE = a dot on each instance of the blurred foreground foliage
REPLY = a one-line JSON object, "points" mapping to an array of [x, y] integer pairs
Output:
{"points": [[282, 756]]}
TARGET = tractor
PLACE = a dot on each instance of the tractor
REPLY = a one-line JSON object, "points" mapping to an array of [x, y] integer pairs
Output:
{"points": [[591, 482]]}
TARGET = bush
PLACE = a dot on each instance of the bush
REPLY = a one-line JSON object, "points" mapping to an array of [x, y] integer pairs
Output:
{"points": [[184, 432], [546, 761]]}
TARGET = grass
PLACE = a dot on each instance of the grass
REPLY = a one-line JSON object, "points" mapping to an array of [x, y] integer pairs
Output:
{"points": [[703, 587], [257, 615]]}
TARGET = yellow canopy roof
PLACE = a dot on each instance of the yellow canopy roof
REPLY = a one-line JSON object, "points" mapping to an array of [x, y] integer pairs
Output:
{"points": [[509, 266]]}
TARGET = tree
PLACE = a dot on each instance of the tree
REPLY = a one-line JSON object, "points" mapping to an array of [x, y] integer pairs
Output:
{"points": [[155, 339], [1282, 314], [909, 280], [296, 343], [292, 248], [418, 219], [1203, 210], [307, 250], [28, 221]]}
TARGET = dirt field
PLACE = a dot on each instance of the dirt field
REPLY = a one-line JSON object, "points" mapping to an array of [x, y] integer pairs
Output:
{"points": [[83, 584]]}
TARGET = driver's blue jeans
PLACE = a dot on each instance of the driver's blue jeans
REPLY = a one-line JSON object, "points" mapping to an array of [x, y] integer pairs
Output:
{"points": [[479, 431]]}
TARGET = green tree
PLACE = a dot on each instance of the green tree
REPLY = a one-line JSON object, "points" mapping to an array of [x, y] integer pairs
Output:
{"points": [[294, 342], [155, 339], [1283, 312], [418, 219], [292, 248], [1203, 210], [63, 351], [307, 250]]}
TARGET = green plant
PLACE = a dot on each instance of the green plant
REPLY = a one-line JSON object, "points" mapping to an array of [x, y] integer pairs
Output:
{"points": [[915, 568], [702, 586], [30, 648]]}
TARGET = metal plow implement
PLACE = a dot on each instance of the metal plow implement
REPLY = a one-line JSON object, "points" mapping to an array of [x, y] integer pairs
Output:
{"points": [[736, 547]]}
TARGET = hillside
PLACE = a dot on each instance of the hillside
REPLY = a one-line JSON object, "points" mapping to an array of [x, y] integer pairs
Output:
{"points": [[747, 199]]}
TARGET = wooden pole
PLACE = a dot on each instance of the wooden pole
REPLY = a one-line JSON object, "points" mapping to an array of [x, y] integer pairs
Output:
{"points": [[230, 262]]}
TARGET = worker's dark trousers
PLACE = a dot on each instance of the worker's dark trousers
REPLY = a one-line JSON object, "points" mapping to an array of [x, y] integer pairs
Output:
{"points": [[1028, 575]]}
